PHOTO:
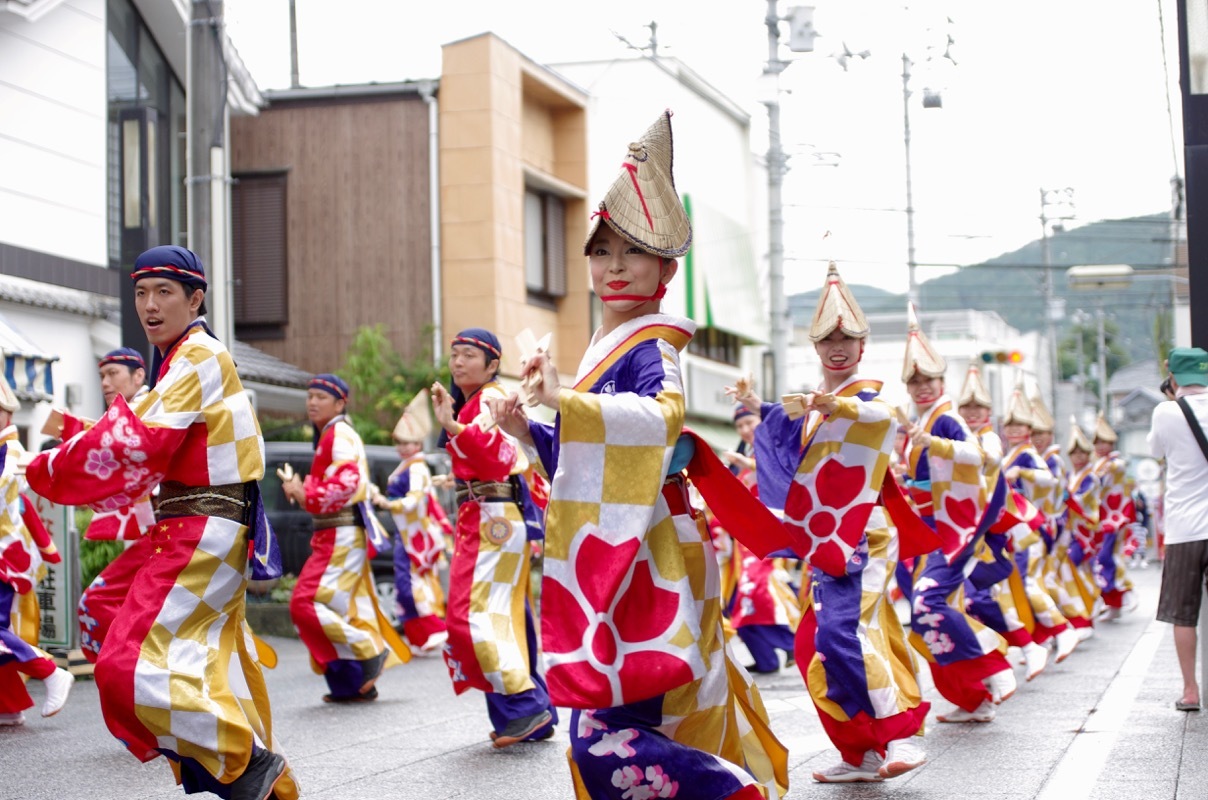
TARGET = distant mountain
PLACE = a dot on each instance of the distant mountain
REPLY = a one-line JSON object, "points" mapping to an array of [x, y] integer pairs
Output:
{"points": [[1012, 284]]}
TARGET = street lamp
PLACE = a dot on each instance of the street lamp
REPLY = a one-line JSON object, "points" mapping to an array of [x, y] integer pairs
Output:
{"points": [[1100, 278]]}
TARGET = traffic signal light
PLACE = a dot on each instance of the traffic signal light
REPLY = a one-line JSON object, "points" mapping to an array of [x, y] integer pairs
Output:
{"points": [[1002, 357]]}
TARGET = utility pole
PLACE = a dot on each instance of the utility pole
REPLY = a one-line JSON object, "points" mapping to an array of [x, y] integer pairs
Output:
{"points": [[294, 82], [932, 98], [206, 184], [1101, 345], [801, 23], [1064, 199], [913, 286], [1193, 88], [778, 305]]}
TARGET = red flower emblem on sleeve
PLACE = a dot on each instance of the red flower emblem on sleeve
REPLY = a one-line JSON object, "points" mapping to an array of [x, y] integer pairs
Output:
{"points": [[957, 522], [832, 512]]}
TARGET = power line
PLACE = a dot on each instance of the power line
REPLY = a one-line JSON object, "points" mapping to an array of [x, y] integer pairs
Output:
{"points": [[989, 264], [1174, 148]]}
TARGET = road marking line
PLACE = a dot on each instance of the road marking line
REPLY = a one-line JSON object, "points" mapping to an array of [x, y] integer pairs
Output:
{"points": [[1078, 770]]}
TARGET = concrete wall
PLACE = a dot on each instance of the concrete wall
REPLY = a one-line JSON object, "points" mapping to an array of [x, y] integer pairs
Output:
{"points": [[505, 121]]}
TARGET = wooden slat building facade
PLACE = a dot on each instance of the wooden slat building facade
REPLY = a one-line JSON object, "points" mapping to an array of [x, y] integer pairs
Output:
{"points": [[331, 221]]}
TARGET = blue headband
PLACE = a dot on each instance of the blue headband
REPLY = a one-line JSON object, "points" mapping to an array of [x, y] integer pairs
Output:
{"points": [[334, 385], [170, 261], [481, 338], [126, 356]]}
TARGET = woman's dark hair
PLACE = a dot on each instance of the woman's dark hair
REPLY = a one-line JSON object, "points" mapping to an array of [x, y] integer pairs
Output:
{"points": [[1166, 388]]}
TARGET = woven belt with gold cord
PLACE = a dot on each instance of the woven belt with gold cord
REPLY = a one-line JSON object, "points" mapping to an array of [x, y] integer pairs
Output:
{"points": [[486, 490], [345, 516], [227, 501]]}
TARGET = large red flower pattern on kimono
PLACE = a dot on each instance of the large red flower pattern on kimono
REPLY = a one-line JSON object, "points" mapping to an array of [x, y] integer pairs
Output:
{"points": [[605, 635], [832, 505], [1116, 511], [956, 522]]}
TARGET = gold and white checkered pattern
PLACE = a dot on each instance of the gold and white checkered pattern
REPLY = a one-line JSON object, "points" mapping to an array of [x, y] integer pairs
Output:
{"points": [[191, 707], [956, 474], [12, 527], [344, 599], [347, 448], [497, 597], [201, 385]]}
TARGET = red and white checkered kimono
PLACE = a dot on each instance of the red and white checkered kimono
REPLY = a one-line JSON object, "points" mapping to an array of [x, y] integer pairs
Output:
{"points": [[179, 674]]}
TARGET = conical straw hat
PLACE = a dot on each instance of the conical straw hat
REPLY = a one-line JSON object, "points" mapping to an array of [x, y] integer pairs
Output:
{"points": [[416, 422], [642, 205], [1078, 440], [8, 400], [837, 309], [920, 355], [1103, 431], [974, 392], [1042, 420], [1019, 410]]}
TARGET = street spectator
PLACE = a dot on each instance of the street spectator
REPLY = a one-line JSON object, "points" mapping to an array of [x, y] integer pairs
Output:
{"points": [[1185, 568]]}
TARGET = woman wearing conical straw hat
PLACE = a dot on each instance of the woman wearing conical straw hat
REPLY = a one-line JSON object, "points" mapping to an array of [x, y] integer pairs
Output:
{"points": [[1116, 513], [996, 595], [944, 466], [422, 526], [1059, 574], [1083, 491], [1027, 474], [631, 613], [851, 649]]}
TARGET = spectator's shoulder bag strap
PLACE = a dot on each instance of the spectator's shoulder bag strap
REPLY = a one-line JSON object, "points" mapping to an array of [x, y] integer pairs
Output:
{"points": [[1194, 424]]}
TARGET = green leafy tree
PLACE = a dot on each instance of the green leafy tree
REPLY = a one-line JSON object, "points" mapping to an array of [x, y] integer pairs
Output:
{"points": [[383, 382], [1163, 336], [1087, 334], [94, 555]]}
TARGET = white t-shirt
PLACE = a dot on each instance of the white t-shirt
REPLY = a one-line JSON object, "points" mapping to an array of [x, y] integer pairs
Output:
{"points": [[1186, 503]]}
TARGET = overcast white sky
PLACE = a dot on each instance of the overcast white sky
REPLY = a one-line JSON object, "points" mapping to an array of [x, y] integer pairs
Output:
{"points": [[1045, 93]]}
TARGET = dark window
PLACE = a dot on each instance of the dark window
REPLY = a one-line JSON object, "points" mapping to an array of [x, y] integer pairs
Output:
{"points": [[716, 345], [261, 296], [544, 247], [146, 141]]}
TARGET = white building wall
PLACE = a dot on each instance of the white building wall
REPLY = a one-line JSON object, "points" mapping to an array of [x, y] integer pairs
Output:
{"points": [[713, 166], [52, 131], [78, 341]]}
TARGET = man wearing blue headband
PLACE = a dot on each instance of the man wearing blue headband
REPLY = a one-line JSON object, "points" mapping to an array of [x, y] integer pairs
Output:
{"points": [[334, 606], [492, 644], [179, 675], [123, 373]]}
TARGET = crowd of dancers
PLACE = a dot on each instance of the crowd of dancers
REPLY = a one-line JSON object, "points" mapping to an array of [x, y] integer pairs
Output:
{"points": [[653, 551]]}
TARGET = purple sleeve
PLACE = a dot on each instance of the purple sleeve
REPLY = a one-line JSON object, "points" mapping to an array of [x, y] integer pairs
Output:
{"points": [[545, 440], [777, 453]]}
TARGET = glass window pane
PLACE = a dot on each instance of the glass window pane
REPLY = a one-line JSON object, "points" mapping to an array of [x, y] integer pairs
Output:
{"points": [[534, 242]]}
